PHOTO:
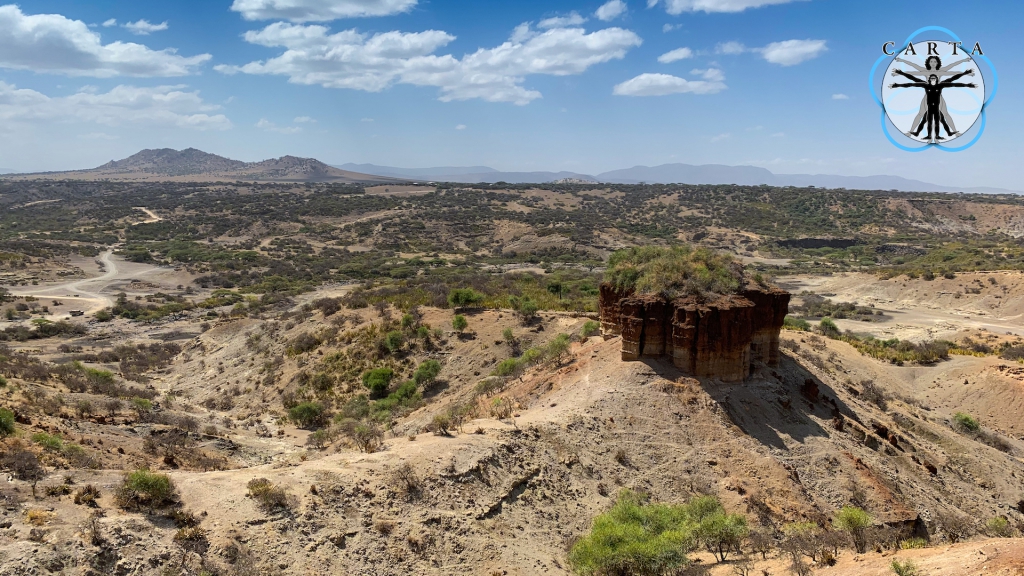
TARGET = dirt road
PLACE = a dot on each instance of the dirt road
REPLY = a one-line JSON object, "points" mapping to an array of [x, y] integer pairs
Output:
{"points": [[152, 215], [86, 294]]}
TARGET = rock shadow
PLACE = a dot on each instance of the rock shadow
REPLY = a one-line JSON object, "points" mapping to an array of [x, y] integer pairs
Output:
{"points": [[786, 400]]}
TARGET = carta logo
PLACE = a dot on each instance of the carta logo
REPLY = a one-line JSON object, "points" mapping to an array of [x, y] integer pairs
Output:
{"points": [[934, 89]]}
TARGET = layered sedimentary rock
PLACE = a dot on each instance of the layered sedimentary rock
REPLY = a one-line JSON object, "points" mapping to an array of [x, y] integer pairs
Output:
{"points": [[717, 338]]}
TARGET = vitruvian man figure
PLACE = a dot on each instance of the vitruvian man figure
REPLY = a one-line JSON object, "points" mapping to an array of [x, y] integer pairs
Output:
{"points": [[933, 65], [933, 88]]}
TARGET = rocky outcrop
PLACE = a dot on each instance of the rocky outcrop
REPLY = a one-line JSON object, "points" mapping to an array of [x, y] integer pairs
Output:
{"points": [[718, 338]]}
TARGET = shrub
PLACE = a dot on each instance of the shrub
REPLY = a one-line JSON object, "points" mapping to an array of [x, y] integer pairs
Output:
{"points": [[558, 349], [799, 324], [459, 323], [25, 466], [87, 495], [965, 422], [955, 526], [904, 568], [142, 407], [393, 341], [828, 327], [378, 380], [463, 297], [675, 271], [635, 537], [308, 414], [999, 527], [501, 408], [717, 531], [590, 328], [427, 372], [49, 442], [441, 424], [367, 436], [913, 544], [145, 487], [268, 496], [525, 307], [6, 422], [855, 521]]}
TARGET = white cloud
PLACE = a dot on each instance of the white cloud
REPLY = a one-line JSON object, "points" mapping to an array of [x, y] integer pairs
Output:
{"points": [[269, 126], [52, 43], [367, 120], [353, 60], [840, 97], [610, 10], [109, 23], [304, 120], [720, 137], [123, 105], [793, 52], [318, 10], [730, 48], [664, 84], [670, 27], [460, 127], [144, 28], [676, 7], [675, 55], [573, 19]]}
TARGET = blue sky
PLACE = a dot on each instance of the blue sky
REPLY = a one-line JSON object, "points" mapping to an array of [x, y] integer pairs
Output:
{"points": [[520, 85]]}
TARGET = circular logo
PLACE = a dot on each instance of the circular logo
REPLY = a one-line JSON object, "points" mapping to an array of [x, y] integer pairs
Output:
{"points": [[932, 95]]}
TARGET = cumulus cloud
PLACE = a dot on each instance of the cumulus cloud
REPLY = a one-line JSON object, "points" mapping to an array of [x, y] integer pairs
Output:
{"points": [[318, 10], [109, 23], [793, 52], [676, 7], [670, 27], [573, 19], [730, 48], [55, 44], [269, 126], [144, 28], [675, 55], [785, 53], [840, 97], [358, 61], [123, 105], [720, 137], [304, 120], [712, 81], [610, 10]]}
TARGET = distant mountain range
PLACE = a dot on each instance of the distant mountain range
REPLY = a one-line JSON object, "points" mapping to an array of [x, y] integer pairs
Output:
{"points": [[669, 174], [198, 166], [191, 165]]}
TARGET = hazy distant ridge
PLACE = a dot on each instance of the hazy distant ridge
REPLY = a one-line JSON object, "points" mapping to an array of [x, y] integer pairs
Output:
{"points": [[669, 174]]}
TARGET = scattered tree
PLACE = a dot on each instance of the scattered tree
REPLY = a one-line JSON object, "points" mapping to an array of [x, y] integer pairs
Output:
{"points": [[855, 521], [459, 323]]}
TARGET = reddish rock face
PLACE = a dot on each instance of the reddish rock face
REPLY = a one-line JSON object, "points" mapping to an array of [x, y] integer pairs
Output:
{"points": [[720, 338]]}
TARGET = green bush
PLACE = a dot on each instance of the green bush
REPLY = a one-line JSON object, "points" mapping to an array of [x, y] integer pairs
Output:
{"points": [[459, 323], [590, 328], [855, 521], [393, 341], [913, 544], [427, 372], [799, 324], [828, 327], [3, 381], [378, 380], [6, 422], [635, 538], [675, 271], [904, 568], [463, 297], [999, 527], [50, 442], [966, 422], [145, 487], [308, 414]]}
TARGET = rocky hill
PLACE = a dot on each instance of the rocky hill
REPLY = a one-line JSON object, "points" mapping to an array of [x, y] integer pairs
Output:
{"points": [[192, 165], [717, 338]]}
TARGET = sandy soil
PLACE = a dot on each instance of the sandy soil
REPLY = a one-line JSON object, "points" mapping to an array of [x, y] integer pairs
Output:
{"points": [[921, 309]]}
